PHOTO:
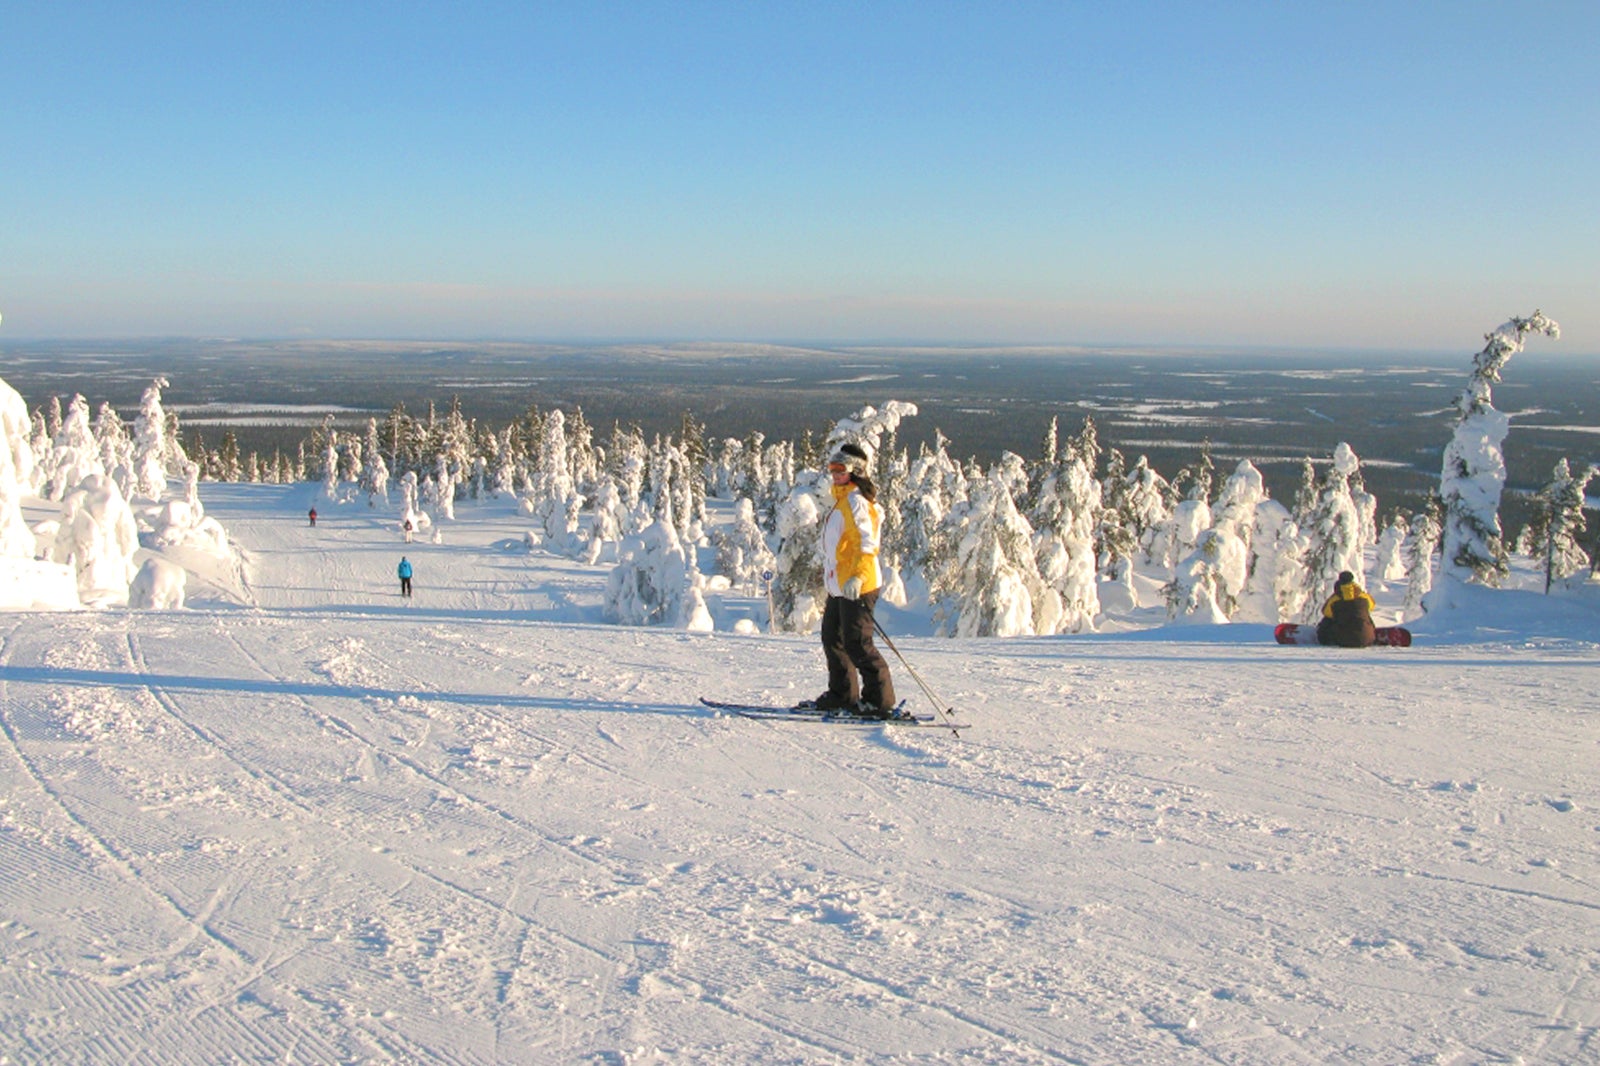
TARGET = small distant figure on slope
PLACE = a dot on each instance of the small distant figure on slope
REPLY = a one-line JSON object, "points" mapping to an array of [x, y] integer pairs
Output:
{"points": [[406, 529], [858, 675], [1347, 616], [405, 576], [313, 516]]}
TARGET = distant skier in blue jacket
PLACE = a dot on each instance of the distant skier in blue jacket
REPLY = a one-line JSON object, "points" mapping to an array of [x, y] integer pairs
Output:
{"points": [[405, 576]]}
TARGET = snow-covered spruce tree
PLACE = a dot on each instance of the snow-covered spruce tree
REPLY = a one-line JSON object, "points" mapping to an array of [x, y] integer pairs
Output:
{"points": [[330, 460], [993, 588], [1065, 515], [1278, 573], [97, 536], [553, 500], [1390, 564], [1194, 592], [1145, 509], [1115, 540], [927, 534], [410, 506], [503, 470], [797, 589], [605, 529], [39, 439], [16, 472], [582, 456], [116, 447], [1473, 474], [1418, 555], [374, 471], [1229, 555], [73, 454], [655, 582], [694, 461], [742, 552], [1558, 524], [1305, 493], [1333, 532]]}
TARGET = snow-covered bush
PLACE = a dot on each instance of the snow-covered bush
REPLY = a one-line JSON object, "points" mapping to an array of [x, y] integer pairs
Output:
{"points": [[159, 585], [653, 584], [97, 536]]}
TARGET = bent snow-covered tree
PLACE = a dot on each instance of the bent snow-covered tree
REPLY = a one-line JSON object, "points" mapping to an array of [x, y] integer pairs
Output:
{"points": [[1474, 470]]}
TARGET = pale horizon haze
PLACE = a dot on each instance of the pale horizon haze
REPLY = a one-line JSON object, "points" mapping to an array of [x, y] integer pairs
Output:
{"points": [[1341, 176]]}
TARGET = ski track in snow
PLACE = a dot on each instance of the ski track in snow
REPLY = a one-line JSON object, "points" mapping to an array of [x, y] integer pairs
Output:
{"points": [[328, 826]]}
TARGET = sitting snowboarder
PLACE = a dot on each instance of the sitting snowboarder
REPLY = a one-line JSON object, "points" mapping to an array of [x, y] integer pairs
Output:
{"points": [[1347, 616]]}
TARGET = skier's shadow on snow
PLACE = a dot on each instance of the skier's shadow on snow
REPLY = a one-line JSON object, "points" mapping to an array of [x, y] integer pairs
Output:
{"points": [[58, 678]]}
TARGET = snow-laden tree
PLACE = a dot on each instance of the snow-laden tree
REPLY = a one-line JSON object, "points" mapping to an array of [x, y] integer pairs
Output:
{"points": [[330, 460], [374, 471], [116, 447], [1333, 531], [1557, 525], [1390, 565], [74, 455], [797, 589], [553, 497], [1218, 572], [1195, 590], [1277, 578], [605, 528], [1474, 470], [655, 582], [867, 427], [504, 470], [185, 522], [1065, 514], [993, 587], [97, 536], [742, 552], [1143, 501], [441, 488], [16, 474], [1418, 554], [413, 519], [935, 488]]}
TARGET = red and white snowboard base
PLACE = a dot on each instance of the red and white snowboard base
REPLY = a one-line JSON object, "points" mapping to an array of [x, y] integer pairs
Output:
{"points": [[1289, 633]]}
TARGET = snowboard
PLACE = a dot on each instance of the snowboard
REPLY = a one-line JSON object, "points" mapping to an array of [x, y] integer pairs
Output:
{"points": [[1388, 636]]}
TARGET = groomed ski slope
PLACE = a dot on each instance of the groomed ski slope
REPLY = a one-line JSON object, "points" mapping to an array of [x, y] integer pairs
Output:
{"points": [[305, 821]]}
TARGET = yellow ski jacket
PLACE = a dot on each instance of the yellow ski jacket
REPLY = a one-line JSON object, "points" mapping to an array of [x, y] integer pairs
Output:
{"points": [[850, 541]]}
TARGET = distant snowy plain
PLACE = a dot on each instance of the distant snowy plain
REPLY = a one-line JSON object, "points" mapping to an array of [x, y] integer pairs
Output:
{"points": [[305, 821]]}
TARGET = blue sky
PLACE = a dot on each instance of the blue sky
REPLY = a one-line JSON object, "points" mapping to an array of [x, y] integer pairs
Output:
{"points": [[1326, 175]]}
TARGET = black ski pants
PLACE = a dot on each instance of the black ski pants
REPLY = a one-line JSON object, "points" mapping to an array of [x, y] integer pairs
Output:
{"points": [[856, 669]]}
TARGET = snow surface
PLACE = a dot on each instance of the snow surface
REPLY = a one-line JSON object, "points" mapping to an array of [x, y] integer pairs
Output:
{"points": [[302, 820]]}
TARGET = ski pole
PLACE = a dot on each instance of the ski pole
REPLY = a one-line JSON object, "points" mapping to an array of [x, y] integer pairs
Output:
{"points": [[938, 704]]}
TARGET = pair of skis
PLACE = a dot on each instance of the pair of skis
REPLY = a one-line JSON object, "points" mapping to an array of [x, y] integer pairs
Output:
{"points": [[810, 712]]}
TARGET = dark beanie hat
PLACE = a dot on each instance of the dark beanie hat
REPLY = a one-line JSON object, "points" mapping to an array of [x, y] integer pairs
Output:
{"points": [[1346, 578]]}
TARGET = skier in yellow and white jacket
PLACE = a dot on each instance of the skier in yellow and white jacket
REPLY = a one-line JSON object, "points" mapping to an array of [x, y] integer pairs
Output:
{"points": [[858, 674]]}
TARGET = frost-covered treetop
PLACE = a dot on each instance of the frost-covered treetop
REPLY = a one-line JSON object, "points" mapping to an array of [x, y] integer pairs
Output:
{"points": [[1500, 345]]}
